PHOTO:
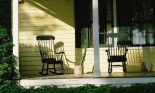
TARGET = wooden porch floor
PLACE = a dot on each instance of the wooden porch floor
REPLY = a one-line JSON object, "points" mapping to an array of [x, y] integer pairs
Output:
{"points": [[90, 75]]}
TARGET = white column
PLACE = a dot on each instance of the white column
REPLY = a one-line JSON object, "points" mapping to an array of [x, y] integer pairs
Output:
{"points": [[97, 72], [15, 30], [115, 17]]}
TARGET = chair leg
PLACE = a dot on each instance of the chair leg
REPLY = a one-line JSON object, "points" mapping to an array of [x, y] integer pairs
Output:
{"points": [[124, 66], [54, 68], [47, 68], [110, 68], [42, 70], [62, 68]]}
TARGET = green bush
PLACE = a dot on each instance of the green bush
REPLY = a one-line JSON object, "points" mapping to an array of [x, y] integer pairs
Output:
{"points": [[7, 59], [88, 88]]}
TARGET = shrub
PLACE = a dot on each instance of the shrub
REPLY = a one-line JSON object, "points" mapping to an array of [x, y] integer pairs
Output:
{"points": [[87, 88], [7, 59]]}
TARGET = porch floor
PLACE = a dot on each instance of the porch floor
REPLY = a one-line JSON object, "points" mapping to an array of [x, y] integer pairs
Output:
{"points": [[90, 75]]}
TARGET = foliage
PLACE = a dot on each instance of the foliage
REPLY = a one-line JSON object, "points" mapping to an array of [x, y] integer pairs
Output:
{"points": [[87, 88], [7, 59], [84, 53]]}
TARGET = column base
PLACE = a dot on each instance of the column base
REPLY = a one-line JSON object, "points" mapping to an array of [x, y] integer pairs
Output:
{"points": [[97, 73]]}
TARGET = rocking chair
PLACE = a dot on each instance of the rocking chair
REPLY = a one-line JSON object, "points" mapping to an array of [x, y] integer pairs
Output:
{"points": [[49, 55], [117, 49]]}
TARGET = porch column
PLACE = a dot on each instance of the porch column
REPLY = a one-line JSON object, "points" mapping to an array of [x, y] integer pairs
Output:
{"points": [[115, 29], [97, 72], [15, 30]]}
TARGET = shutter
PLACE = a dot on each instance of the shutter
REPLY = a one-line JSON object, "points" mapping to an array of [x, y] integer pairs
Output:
{"points": [[82, 18]]}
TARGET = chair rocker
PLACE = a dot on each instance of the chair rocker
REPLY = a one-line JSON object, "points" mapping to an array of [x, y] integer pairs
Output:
{"points": [[49, 55], [117, 49]]}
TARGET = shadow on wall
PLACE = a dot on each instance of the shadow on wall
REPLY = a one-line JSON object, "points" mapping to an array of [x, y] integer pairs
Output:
{"points": [[30, 59], [134, 59], [149, 58], [54, 10], [59, 46]]}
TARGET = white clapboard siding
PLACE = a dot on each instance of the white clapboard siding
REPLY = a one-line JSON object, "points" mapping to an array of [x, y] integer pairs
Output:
{"points": [[45, 17]]}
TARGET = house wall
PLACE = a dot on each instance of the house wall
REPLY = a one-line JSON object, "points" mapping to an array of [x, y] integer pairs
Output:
{"points": [[45, 17], [137, 55], [56, 17]]}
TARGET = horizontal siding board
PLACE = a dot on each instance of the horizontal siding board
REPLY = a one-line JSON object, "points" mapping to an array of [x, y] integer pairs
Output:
{"points": [[45, 27], [36, 11], [29, 54], [31, 63], [57, 37], [67, 45], [30, 8], [29, 58], [45, 23], [36, 18], [29, 68], [36, 73], [38, 32], [37, 67]]}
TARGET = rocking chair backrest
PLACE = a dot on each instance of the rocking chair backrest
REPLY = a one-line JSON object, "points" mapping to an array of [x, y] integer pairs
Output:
{"points": [[46, 46], [117, 44], [117, 49]]}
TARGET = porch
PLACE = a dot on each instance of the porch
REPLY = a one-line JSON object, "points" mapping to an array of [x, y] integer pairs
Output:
{"points": [[68, 80], [38, 17]]}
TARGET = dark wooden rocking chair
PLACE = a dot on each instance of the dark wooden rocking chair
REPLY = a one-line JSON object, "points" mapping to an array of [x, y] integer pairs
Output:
{"points": [[117, 49], [49, 55]]}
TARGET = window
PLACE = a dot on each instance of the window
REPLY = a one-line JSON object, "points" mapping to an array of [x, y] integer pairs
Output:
{"points": [[134, 17], [105, 20], [82, 10], [83, 20], [138, 22]]}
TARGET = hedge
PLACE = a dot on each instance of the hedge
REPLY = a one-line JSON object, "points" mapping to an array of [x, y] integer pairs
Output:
{"points": [[87, 88]]}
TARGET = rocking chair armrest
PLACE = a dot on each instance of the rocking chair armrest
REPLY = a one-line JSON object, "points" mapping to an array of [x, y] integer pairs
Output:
{"points": [[106, 50], [59, 52]]}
